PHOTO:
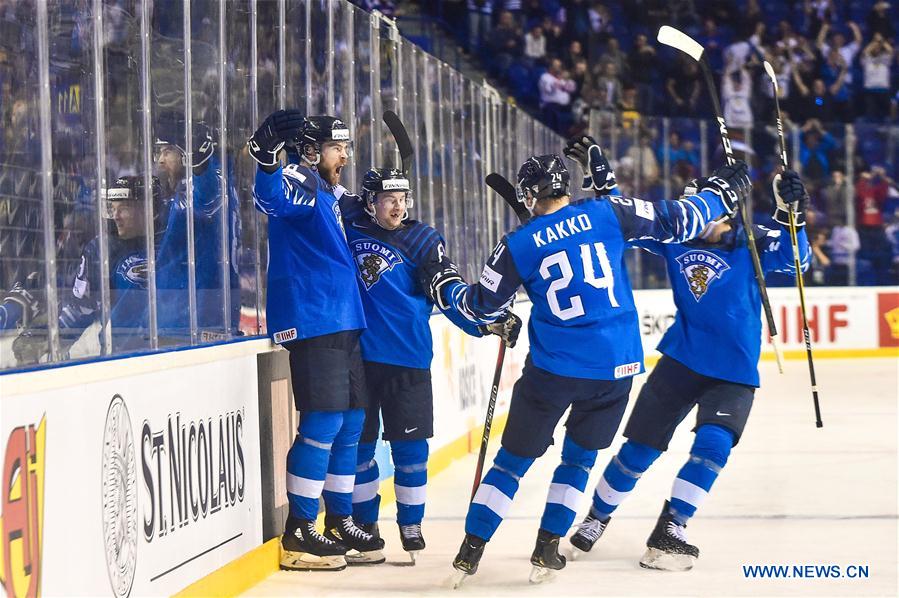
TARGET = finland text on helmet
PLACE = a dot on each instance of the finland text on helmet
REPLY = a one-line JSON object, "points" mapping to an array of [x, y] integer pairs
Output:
{"points": [[318, 130], [127, 188]]}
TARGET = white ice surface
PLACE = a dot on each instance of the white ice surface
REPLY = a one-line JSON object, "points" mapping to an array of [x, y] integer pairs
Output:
{"points": [[791, 494]]}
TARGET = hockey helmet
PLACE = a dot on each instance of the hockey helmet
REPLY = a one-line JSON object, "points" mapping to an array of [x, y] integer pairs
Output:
{"points": [[317, 130], [379, 180], [127, 188], [542, 177]]}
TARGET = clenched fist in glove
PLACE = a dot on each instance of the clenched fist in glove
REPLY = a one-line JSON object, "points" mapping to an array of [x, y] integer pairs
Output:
{"points": [[280, 127], [506, 327], [731, 183], [791, 196], [598, 174]]}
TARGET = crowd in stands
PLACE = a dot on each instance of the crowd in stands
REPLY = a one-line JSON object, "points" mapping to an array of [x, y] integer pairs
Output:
{"points": [[836, 63]]}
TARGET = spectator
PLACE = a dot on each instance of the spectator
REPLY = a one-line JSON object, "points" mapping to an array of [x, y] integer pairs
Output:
{"points": [[843, 245], [876, 60], [813, 104], [834, 197], [892, 235], [847, 50], [605, 89], [814, 150], [684, 87], [533, 13], [555, 96], [835, 76], [818, 13], [736, 92], [613, 53], [820, 262], [683, 159], [600, 29], [573, 53], [504, 43], [713, 41], [535, 44], [480, 13], [575, 19], [879, 21], [871, 191], [555, 41], [642, 62], [645, 163], [628, 106]]}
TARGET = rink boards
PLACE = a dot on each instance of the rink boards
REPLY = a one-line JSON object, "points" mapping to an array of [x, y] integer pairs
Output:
{"points": [[141, 476]]}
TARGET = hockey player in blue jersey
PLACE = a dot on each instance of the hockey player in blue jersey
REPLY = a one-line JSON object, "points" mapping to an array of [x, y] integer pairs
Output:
{"points": [[315, 312], [583, 331], [709, 358], [397, 257]]}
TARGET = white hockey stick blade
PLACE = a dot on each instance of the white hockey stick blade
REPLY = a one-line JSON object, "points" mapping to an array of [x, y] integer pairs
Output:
{"points": [[680, 40], [770, 70]]}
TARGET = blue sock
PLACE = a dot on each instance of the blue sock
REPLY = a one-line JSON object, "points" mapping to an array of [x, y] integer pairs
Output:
{"points": [[338, 491], [410, 476], [567, 487], [307, 461], [494, 496], [709, 453], [620, 477], [366, 499]]}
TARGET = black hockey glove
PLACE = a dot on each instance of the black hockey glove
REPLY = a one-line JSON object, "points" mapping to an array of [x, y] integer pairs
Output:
{"points": [[790, 195], [280, 126], [204, 144], [598, 173], [24, 295], [437, 284], [507, 327], [731, 183]]}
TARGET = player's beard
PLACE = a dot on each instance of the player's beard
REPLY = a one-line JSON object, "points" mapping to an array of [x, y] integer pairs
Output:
{"points": [[331, 175]]}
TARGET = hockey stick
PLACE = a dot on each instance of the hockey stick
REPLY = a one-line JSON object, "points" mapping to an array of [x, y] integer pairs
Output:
{"points": [[686, 44], [795, 242], [505, 190], [399, 133]]}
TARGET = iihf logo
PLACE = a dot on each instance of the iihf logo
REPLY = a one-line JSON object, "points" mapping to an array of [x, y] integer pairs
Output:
{"points": [[700, 268], [373, 259]]}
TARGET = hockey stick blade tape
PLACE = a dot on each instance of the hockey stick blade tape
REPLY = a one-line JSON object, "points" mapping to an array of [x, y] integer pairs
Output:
{"points": [[770, 70], [680, 40]]}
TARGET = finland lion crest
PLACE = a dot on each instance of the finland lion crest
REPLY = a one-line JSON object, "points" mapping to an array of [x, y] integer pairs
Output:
{"points": [[373, 259], [701, 268]]}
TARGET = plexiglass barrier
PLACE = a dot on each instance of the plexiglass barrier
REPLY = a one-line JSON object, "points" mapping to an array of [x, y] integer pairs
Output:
{"points": [[167, 93]]}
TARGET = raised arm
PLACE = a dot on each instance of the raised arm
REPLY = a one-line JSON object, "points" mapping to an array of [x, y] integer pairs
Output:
{"points": [[684, 219]]}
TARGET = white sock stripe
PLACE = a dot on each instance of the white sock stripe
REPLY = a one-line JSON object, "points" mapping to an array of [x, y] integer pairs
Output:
{"points": [[492, 498], [304, 486], [339, 483], [325, 446], [609, 495], [410, 495], [365, 492], [566, 495], [415, 468], [687, 492]]}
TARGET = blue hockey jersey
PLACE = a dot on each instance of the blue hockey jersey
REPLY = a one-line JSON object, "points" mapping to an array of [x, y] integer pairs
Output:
{"points": [[392, 264], [128, 271], [717, 329], [583, 322], [312, 288]]}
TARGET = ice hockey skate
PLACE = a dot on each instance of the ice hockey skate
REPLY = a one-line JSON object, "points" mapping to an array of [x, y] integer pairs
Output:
{"points": [[546, 558], [466, 562], [588, 532], [667, 548], [365, 548], [304, 549], [413, 541]]}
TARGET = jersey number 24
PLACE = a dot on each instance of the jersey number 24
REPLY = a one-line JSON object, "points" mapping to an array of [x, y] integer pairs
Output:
{"points": [[560, 258]]}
